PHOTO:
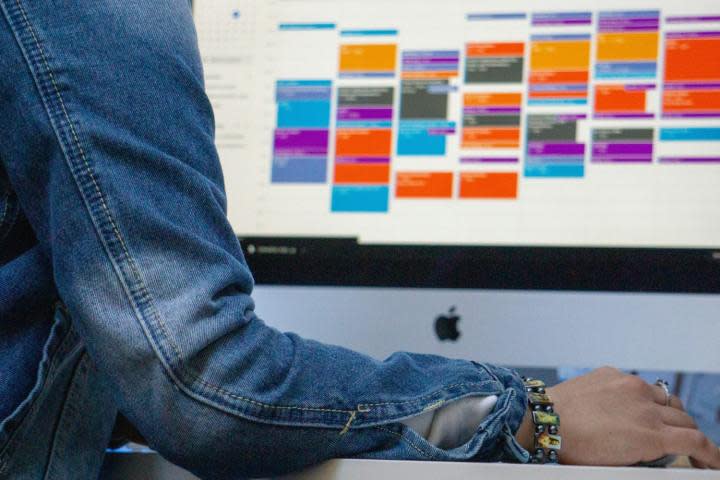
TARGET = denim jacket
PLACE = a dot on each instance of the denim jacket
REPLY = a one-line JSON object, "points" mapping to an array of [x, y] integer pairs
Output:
{"points": [[123, 287]]}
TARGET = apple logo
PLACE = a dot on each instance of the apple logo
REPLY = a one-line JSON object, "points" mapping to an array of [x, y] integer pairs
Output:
{"points": [[446, 326]]}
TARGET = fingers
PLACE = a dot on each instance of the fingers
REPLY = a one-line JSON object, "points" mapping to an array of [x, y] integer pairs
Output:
{"points": [[659, 397], [676, 418], [690, 442], [675, 402]]}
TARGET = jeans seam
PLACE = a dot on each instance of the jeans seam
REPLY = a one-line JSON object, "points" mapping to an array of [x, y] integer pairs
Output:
{"points": [[490, 373], [134, 284], [144, 294], [6, 221], [418, 399], [66, 402], [406, 440], [62, 351], [504, 430], [6, 204], [361, 408]]}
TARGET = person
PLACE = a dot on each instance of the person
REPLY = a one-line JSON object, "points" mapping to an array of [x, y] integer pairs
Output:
{"points": [[124, 289]]}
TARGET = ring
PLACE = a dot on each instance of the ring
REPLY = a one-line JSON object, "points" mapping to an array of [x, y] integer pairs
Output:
{"points": [[666, 388]]}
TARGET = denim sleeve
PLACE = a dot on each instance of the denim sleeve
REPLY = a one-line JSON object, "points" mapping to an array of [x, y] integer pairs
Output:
{"points": [[107, 137]]}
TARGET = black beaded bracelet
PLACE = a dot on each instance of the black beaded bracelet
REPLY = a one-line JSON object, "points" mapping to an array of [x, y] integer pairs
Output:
{"points": [[546, 423]]}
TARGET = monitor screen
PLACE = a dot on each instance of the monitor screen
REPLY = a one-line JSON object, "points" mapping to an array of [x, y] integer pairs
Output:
{"points": [[513, 131]]}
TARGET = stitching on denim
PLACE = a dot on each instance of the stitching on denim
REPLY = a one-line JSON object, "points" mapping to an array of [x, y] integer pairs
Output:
{"points": [[502, 414], [406, 440], [347, 425], [146, 298], [363, 408], [269, 406], [419, 399], [51, 369], [67, 403], [508, 445], [144, 295], [508, 404], [490, 373], [433, 406], [6, 208]]}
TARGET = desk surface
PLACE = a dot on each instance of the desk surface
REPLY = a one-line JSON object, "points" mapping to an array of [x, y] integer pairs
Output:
{"points": [[153, 467], [382, 470]]}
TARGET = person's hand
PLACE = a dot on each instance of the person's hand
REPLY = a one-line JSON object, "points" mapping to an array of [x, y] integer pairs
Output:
{"points": [[613, 419]]}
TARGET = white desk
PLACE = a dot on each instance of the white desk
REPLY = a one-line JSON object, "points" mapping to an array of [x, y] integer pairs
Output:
{"points": [[154, 467], [382, 470]]}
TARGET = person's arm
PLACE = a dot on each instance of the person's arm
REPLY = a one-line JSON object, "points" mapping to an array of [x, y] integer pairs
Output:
{"points": [[107, 138]]}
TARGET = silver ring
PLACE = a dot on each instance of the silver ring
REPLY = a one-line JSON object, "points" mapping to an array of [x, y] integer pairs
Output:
{"points": [[666, 388]]}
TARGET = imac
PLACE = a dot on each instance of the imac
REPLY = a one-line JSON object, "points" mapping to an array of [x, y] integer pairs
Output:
{"points": [[521, 182]]}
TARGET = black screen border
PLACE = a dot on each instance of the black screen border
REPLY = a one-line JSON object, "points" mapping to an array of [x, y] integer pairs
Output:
{"points": [[346, 263]]}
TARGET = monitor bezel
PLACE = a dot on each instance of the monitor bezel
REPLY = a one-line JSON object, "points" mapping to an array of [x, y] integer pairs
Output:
{"points": [[346, 263]]}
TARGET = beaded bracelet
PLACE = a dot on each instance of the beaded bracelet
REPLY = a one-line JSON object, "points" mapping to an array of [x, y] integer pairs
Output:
{"points": [[546, 421]]}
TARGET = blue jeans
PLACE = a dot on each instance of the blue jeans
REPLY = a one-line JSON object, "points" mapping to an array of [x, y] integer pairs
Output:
{"points": [[123, 287]]}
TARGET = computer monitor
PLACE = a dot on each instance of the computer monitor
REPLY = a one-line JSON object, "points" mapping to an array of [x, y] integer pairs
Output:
{"points": [[523, 182]]}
